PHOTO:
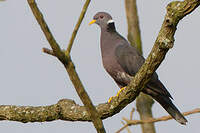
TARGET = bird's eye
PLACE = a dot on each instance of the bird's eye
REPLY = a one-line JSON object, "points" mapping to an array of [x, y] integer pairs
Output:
{"points": [[101, 16]]}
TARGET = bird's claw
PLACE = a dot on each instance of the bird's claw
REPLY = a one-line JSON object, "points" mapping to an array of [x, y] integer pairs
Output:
{"points": [[120, 91], [110, 99]]}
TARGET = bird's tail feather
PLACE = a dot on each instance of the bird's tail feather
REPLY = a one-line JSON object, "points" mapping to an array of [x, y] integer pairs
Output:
{"points": [[167, 104]]}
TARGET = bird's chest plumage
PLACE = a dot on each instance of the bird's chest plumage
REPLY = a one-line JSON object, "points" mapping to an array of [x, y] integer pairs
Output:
{"points": [[108, 54], [115, 70], [110, 62]]}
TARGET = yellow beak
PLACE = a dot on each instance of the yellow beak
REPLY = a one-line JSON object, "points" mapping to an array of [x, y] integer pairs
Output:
{"points": [[92, 22]]}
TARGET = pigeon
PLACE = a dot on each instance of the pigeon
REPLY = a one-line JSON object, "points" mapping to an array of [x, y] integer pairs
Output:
{"points": [[122, 61]]}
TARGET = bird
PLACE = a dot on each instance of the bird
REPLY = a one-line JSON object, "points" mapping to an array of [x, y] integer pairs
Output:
{"points": [[122, 61]]}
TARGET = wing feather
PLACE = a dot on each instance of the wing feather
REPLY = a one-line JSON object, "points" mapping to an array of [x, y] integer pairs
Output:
{"points": [[130, 60]]}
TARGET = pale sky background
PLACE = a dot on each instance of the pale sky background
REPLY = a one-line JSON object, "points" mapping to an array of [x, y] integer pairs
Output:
{"points": [[30, 77]]}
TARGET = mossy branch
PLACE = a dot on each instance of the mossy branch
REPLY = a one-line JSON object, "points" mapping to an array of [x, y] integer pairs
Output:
{"points": [[69, 110]]}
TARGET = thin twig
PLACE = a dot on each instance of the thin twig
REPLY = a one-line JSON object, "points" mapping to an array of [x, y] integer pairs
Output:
{"points": [[163, 118], [48, 51], [121, 129], [77, 26], [39, 17], [127, 128], [131, 113]]}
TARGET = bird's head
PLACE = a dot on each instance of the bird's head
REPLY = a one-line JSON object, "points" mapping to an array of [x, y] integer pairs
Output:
{"points": [[102, 19]]}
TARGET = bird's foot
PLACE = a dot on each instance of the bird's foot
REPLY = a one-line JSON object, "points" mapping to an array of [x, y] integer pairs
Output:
{"points": [[110, 99], [120, 91]]}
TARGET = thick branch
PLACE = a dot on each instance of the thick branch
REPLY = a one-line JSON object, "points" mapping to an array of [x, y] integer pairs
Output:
{"points": [[68, 110], [65, 109]]}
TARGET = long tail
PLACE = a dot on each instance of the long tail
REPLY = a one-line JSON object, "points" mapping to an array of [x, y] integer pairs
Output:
{"points": [[167, 104]]}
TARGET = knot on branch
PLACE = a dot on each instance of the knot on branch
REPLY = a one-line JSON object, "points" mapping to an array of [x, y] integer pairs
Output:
{"points": [[175, 12], [165, 43], [178, 9]]}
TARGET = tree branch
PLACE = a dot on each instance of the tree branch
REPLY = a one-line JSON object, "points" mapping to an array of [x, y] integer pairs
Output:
{"points": [[128, 130], [134, 35], [163, 118], [54, 45], [77, 26], [68, 110], [67, 62]]}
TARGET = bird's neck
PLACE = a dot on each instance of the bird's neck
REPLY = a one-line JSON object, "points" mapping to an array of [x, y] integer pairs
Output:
{"points": [[108, 31], [108, 38], [111, 27]]}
